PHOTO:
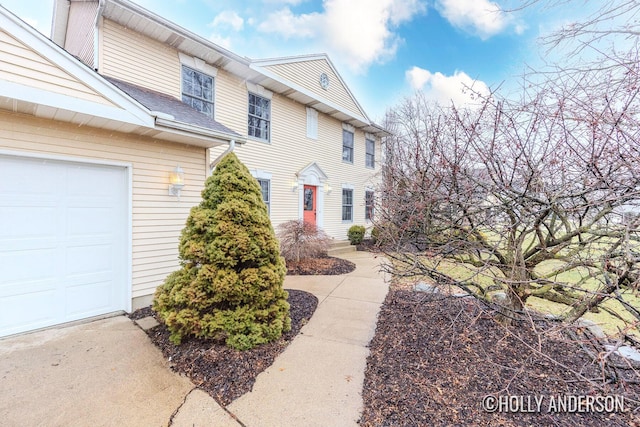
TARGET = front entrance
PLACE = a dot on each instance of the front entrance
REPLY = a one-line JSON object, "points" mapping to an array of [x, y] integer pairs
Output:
{"points": [[310, 213]]}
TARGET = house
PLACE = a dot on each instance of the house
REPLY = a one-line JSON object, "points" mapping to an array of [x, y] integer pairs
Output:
{"points": [[305, 139], [109, 132]]}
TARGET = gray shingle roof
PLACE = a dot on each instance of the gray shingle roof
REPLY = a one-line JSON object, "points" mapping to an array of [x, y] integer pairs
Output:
{"points": [[156, 101]]}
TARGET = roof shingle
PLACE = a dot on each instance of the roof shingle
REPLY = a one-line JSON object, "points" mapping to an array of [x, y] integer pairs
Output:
{"points": [[157, 101]]}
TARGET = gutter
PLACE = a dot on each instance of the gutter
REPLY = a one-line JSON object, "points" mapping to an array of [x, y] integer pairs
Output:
{"points": [[168, 121], [96, 34]]}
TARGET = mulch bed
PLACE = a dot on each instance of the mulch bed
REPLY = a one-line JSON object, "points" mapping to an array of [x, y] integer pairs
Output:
{"points": [[434, 358], [320, 266], [224, 373]]}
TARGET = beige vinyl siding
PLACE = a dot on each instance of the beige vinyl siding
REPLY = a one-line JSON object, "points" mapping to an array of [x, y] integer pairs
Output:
{"points": [[79, 40], [290, 151], [231, 98], [22, 65], [157, 217], [129, 56], [307, 74]]}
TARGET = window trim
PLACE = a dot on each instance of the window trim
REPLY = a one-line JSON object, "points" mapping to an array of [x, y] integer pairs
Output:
{"points": [[369, 155], [343, 205], [351, 148], [184, 66], [312, 123], [268, 201], [369, 204], [249, 115], [261, 175]]}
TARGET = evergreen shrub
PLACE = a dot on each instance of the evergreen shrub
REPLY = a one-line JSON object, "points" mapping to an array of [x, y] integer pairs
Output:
{"points": [[230, 286]]}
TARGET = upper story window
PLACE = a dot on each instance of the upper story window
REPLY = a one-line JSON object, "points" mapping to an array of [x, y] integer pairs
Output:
{"points": [[370, 153], [197, 90], [259, 117], [312, 123], [347, 146]]}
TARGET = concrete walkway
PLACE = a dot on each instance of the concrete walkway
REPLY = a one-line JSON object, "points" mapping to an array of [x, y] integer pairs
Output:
{"points": [[108, 373]]}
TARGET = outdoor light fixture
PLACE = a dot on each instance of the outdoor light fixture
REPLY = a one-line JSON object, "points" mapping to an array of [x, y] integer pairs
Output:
{"points": [[176, 181], [327, 188], [294, 185]]}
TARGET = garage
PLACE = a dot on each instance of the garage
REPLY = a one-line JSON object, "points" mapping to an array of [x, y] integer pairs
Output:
{"points": [[64, 241]]}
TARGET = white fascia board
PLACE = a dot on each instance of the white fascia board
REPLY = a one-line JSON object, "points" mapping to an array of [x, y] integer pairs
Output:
{"points": [[308, 93], [64, 102], [69, 64], [130, 7]]}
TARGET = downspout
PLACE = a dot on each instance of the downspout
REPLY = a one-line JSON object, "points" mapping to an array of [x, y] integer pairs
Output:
{"points": [[96, 34], [232, 145]]}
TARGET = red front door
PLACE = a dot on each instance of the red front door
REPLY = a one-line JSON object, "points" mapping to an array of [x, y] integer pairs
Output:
{"points": [[310, 204]]}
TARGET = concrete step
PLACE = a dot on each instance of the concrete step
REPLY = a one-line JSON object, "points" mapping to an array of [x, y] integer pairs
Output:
{"points": [[340, 247]]}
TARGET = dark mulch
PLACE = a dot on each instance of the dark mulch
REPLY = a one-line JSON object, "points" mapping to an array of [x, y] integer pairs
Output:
{"points": [[224, 373], [367, 245], [434, 358], [320, 266]]}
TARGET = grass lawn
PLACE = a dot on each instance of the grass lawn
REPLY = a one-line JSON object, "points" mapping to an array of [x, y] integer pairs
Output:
{"points": [[577, 277]]}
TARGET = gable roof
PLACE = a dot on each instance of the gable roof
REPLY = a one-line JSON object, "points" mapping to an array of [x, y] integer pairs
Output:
{"points": [[83, 96], [303, 74], [272, 74]]}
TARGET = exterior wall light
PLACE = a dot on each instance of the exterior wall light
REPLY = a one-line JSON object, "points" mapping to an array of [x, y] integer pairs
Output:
{"points": [[327, 188], [294, 185], [176, 181]]}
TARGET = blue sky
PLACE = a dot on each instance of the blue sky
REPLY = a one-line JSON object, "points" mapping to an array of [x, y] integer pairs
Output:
{"points": [[384, 49]]}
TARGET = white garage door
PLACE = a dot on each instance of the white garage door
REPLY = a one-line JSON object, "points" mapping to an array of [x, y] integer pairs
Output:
{"points": [[63, 242]]}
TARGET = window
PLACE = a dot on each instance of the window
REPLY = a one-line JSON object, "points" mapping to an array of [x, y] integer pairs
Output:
{"points": [[265, 187], [347, 146], [368, 205], [197, 90], [259, 117], [312, 123], [347, 204], [370, 156]]}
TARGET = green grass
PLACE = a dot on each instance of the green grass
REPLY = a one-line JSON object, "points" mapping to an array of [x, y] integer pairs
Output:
{"points": [[577, 277]]}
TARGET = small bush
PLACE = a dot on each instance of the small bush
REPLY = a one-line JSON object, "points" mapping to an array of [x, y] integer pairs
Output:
{"points": [[375, 234], [356, 234], [300, 240]]}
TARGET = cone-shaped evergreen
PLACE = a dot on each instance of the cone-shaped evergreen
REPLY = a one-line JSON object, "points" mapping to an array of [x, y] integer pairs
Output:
{"points": [[230, 284]]}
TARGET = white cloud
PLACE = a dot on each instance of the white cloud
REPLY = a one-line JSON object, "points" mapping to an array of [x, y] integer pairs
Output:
{"points": [[228, 19], [481, 17], [458, 88], [286, 24], [359, 32]]}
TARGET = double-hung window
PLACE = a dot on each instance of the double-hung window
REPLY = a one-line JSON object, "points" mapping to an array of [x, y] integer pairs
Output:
{"points": [[259, 117], [368, 205], [347, 146], [347, 204], [370, 153], [265, 188], [197, 90]]}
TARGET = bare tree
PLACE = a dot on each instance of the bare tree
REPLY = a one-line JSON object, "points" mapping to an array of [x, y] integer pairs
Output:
{"points": [[509, 199]]}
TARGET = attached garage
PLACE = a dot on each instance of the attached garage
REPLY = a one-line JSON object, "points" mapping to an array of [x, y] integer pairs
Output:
{"points": [[88, 225], [64, 241]]}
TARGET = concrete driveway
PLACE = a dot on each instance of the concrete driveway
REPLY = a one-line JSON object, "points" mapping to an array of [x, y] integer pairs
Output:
{"points": [[108, 373], [103, 373]]}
